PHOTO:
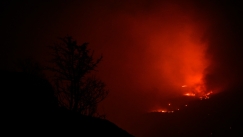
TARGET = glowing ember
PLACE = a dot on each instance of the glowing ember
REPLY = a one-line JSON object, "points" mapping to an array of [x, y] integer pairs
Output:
{"points": [[162, 111], [190, 94], [206, 96]]}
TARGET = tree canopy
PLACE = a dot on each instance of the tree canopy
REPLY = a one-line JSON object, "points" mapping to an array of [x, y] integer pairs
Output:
{"points": [[76, 88]]}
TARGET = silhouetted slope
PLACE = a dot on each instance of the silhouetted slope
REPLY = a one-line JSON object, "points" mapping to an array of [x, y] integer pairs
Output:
{"points": [[29, 107], [88, 126], [219, 116]]}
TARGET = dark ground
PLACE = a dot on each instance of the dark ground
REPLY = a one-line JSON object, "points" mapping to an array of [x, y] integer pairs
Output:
{"points": [[29, 107], [219, 116]]}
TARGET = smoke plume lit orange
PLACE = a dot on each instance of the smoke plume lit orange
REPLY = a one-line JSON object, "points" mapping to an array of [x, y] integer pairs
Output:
{"points": [[175, 49], [182, 59], [164, 50]]}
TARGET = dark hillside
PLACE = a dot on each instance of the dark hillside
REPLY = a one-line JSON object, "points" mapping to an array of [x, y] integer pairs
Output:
{"points": [[29, 107], [219, 116]]}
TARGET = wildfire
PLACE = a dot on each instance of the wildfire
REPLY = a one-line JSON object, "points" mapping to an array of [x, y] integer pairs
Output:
{"points": [[198, 90]]}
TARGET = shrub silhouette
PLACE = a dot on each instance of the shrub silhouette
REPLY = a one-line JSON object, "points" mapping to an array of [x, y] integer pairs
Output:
{"points": [[76, 88]]}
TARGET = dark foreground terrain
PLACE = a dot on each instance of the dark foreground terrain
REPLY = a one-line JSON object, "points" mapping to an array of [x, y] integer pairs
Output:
{"points": [[219, 116], [29, 107]]}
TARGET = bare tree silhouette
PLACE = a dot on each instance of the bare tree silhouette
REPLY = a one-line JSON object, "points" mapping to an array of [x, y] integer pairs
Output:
{"points": [[76, 88]]}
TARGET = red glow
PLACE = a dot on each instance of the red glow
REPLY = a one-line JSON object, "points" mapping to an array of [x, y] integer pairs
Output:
{"points": [[153, 56], [166, 59], [178, 53]]}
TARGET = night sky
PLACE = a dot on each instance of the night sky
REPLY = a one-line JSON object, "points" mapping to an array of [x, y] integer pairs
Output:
{"points": [[150, 48]]}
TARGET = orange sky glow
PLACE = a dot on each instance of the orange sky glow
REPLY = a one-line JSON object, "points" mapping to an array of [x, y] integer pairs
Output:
{"points": [[175, 49]]}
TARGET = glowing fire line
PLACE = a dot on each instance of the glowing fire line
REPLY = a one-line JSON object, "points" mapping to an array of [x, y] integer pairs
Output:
{"points": [[189, 94]]}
